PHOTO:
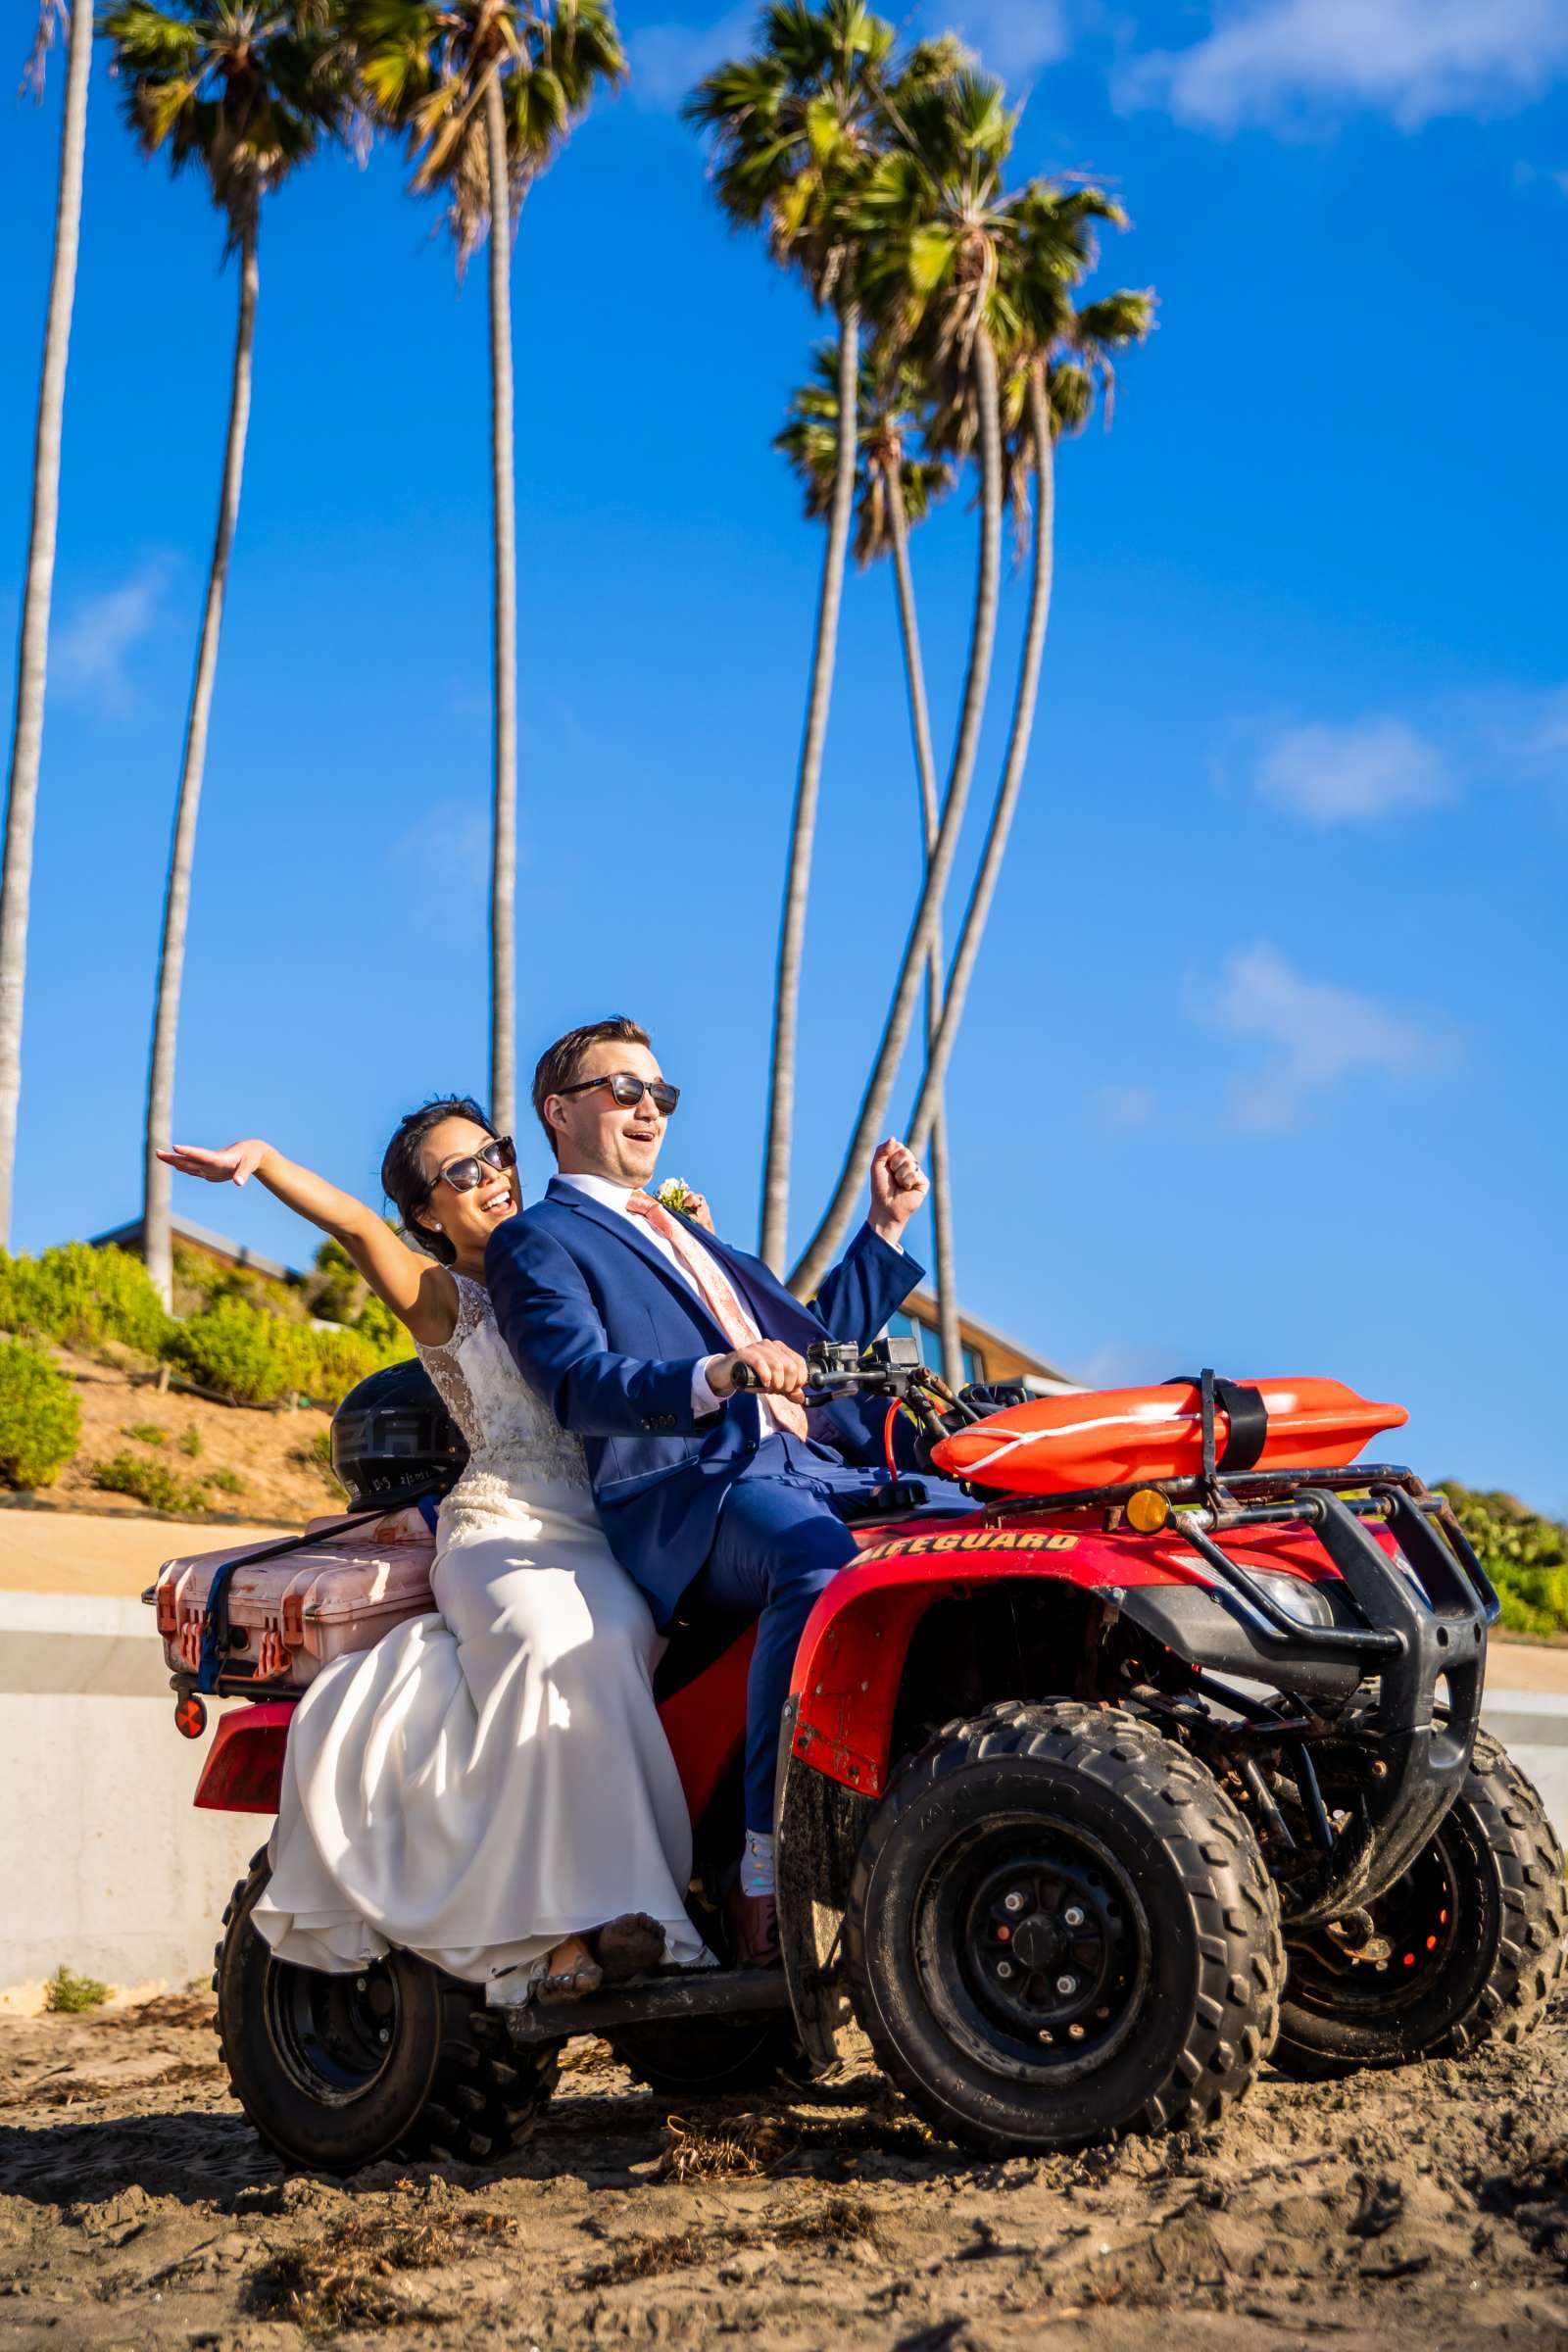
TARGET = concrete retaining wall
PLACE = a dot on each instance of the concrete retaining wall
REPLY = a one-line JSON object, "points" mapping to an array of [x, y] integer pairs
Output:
{"points": [[106, 1867]]}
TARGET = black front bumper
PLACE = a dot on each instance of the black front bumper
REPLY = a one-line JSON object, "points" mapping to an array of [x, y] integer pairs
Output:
{"points": [[1411, 1630]]}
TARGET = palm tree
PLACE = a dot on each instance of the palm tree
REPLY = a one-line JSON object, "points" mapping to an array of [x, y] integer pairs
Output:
{"points": [[27, 733], [898, 488], [243, 91], [486, 93], [1050, 396], [794, 128], [937, 226]]}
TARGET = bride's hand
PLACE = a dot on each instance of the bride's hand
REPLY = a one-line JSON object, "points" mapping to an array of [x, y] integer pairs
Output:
{"points": [[236, 1163]]}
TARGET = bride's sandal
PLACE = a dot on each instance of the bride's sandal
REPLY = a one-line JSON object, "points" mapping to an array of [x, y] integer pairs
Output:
{"points": [[584, 1974], [627, 1945]]}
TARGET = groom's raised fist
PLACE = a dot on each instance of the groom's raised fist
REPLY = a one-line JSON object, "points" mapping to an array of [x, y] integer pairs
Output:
{"points": [[899, 1185], [769, 1366]]}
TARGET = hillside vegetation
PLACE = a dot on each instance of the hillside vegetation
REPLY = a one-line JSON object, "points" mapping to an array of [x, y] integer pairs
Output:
{"points": [[79, 1323], [1525, 1554]]}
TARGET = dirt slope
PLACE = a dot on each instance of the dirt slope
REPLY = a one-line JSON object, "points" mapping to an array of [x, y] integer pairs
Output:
{"points": [[1424, 2209], [269, 1452]]}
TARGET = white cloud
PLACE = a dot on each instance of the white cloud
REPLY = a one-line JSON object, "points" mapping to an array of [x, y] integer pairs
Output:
{"points": [[448, 854], [1354, 774], [91, 651], [1124, 1106], [668, 60], [1129, 1364], [1313, 1036], [1267, 61], [1012, 37]]}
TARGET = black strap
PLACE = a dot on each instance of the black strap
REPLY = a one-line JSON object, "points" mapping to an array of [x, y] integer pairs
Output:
{"points": [[1244, 1409], [215, 1617]]}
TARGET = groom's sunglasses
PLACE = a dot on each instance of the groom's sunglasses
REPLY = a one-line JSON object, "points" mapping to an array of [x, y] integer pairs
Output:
{"points": [[463, 1174], [628, 1090]]}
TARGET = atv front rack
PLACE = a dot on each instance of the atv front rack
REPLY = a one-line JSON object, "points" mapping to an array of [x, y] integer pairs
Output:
{"points": [[1418, 1620]]}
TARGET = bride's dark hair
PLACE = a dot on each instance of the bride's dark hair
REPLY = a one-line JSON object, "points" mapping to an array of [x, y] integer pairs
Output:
{"points": [[406, 1179]]}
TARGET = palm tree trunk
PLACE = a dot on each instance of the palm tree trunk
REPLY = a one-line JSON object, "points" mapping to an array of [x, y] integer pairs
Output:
{"points": [[504, 823], [950, 1341], [836, 1218], [928, 1105], [157, 1242], [27, 735], [803, 828]]}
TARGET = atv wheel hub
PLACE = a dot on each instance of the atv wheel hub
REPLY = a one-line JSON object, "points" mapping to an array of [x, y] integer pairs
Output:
{"points": [[1047, 1936]]}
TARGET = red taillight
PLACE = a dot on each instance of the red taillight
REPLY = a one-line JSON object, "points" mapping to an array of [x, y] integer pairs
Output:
{"points": [[244, 1768]]}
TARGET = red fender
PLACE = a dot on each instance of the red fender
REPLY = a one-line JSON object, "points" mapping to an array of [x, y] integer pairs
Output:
{"points": [[244, 1768], [850, 1658]]}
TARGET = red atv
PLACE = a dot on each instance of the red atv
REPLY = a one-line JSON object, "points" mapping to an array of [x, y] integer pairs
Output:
{"points": [[1088, 1804]]}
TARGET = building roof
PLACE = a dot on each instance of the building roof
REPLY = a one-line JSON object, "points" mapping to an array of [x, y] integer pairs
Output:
{"points": [[200, 1237]]}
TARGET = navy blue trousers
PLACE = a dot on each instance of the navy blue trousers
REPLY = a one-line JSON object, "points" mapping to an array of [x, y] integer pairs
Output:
{"points": [[780, 1544]]}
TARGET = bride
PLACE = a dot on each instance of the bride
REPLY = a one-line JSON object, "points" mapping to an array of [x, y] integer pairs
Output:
{"points": [[490, 1789]]}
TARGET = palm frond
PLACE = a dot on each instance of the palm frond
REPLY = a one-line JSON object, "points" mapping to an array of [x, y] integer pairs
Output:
{"points": [[242, 94], [424, 69]]}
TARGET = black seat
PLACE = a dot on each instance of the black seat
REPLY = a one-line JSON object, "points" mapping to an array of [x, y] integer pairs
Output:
{"points": [[696, 1636]]}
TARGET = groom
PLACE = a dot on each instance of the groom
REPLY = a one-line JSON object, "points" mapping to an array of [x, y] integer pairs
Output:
{"points": [[631, 1323]]}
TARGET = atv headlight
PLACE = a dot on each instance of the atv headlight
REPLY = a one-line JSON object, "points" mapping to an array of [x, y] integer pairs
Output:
{"points": [[1308, 1605]]}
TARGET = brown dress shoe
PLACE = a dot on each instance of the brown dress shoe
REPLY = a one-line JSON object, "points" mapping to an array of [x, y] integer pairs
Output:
{"points": [[754, 1924], [627, 1945]]}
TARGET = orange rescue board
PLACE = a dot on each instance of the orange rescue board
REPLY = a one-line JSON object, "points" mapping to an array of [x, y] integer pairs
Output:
{"points": [[1119, 1437]]}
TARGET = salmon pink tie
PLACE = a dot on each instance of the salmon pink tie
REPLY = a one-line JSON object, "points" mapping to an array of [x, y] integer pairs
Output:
{"points": [[712, 1285]]}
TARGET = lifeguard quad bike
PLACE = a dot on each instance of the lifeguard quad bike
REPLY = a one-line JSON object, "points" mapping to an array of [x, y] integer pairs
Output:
{"points": [[1092, 1796]]}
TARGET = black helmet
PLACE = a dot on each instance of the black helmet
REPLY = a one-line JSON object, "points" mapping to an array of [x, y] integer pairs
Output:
{"points": [[393, 1438]]}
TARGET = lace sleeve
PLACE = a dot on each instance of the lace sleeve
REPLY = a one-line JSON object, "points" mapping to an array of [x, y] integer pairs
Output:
{"points": [[442, 1363], [473, 1301]]}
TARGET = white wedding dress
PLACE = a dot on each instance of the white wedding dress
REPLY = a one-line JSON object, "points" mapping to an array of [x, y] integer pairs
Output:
{"points": [[482, 1784]]}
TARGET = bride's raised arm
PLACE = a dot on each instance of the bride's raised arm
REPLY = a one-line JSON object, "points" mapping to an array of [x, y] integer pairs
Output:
{"points": [[420, 1293]]}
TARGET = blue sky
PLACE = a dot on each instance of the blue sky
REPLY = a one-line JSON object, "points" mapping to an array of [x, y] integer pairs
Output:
{"points": [[1263, 1066]]}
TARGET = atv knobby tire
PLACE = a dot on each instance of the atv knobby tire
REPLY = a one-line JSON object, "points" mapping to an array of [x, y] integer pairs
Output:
{"points": [[1059, 1929], [337, 2071], [1489, 1892]]}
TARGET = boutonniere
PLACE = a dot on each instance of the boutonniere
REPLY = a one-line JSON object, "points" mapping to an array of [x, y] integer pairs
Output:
{"points": [[673, 1193]]}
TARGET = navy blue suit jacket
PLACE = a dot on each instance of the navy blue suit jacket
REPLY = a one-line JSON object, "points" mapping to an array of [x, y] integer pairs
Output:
{"points": [[610, 1334]]}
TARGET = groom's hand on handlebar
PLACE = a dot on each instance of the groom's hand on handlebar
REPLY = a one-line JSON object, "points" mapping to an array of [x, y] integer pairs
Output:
{"points": [[766, 1365]]}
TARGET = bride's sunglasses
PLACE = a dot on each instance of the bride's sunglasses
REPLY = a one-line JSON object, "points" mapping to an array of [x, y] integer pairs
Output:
{"points": [[463, 1174], [628, 1090]]}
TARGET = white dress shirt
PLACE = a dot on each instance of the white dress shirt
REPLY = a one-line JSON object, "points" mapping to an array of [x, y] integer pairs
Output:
{"points": [[706, 1399]]}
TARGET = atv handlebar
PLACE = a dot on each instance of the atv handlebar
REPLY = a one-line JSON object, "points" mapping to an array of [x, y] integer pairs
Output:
{"points": [[887, 1368]]}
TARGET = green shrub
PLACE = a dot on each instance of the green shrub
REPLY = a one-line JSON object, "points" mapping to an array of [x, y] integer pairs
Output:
{"points": [[241, 1352], [379, 1325], [337, 1294], [40, 1420], [68, 1994], [152, 1483], [190, 1444], [257, 1290], [317, 1452], [146, 1432], [1525, 1554], [327, 1363], [82, 1296], [227, 1482]]}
